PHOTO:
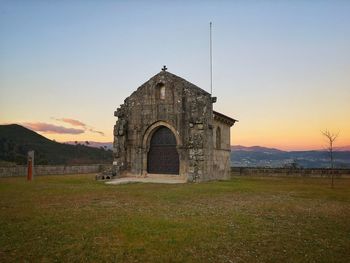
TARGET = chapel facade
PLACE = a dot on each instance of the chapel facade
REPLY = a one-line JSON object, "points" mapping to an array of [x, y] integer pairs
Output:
{"points": [[168, 127]]}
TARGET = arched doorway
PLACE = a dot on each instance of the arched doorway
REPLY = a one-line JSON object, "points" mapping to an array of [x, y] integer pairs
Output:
{"points": [[163, 157]]}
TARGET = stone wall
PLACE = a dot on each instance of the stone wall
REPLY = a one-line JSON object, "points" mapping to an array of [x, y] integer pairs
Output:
{"points": [[21, 170], [221, 164], [222, 150], [305, 172]]}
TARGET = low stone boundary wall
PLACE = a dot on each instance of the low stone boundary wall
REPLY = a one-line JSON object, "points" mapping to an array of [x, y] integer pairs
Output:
{"points": [[302, 172], [21, 170]]}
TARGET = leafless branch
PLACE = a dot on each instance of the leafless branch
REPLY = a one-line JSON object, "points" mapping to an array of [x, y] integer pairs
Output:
{"points": [[330, 136]]}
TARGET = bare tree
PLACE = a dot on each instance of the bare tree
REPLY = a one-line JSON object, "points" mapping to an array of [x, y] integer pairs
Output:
{"points": [[331, 137]]}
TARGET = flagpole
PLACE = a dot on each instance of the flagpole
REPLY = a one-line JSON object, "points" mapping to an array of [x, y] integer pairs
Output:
{"points": [[211, 59]]}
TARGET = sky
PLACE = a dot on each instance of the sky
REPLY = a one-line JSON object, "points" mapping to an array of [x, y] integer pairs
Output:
{"points": [[282, 68]]}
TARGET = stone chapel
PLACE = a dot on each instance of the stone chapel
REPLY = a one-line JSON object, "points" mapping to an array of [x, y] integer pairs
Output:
{"points": [[167, 127]]}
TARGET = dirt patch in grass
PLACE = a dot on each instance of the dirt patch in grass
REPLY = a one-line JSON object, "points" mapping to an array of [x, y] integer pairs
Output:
{"points": [[75, 218]]}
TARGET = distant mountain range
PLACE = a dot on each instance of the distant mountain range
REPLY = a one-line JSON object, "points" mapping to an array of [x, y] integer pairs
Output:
{"points": [[257, 156], [253, 149], [342, 149], [16, 141]]}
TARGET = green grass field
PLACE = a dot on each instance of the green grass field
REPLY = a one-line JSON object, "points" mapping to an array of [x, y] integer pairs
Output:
{"points": [[77, 219]]}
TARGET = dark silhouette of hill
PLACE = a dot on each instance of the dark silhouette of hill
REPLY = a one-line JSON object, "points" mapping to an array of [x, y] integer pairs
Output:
{"points": [[16, 141]]}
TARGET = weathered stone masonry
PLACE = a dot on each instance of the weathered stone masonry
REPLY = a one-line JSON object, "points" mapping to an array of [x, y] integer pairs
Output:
{"points": [[167, 100]]}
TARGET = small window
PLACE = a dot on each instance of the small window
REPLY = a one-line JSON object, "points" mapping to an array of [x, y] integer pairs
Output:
{"points": [[218, 138], [162, 93]]}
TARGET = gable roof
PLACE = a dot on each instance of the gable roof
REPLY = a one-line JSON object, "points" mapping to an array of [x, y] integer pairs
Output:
{"points": [[166, 76]]}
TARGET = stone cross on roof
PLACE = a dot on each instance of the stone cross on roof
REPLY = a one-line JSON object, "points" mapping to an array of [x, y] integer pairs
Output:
{"points": [[164, 68]]}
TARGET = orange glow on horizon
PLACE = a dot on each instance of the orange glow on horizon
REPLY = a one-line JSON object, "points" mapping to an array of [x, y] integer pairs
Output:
{"points": [[290, 142]]}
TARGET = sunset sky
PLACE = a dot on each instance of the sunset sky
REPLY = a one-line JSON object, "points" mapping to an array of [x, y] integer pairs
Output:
{"points": [[282, 68]]}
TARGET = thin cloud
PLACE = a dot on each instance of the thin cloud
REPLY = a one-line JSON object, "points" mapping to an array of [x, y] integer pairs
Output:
{"points": [[51, 128], [84, 126], [99, 132], [71, 122]]}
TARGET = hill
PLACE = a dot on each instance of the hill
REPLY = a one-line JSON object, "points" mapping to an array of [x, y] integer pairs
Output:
{"points": [[106, 145], [253, 149], [16, 141], [343, 148], [257, 156]]}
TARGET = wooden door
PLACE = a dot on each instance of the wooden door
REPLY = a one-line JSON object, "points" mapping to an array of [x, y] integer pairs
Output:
{"points": [[163, 157]]}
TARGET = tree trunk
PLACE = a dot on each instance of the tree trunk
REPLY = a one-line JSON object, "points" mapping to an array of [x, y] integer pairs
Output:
{"points": [[332, 166]]}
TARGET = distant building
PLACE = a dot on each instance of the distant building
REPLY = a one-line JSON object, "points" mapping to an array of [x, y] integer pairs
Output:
{"points": [[168, 127]]}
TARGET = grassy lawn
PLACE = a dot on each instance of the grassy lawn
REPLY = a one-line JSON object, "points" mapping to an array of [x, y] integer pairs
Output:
{"points": [[75, 218]]}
